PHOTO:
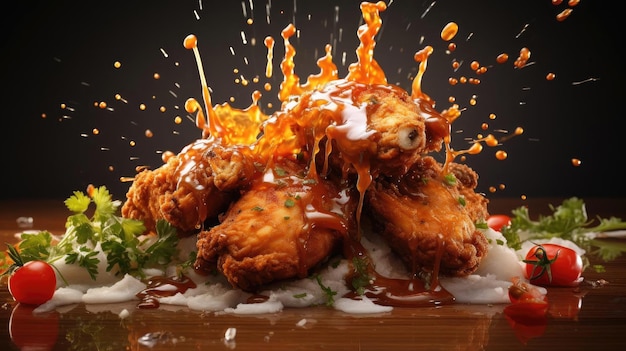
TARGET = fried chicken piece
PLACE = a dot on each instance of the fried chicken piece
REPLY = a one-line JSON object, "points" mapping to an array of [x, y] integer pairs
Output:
{"points": [[191, 187], [394, 134], [423, 210], [400, 127], [281, 228]]}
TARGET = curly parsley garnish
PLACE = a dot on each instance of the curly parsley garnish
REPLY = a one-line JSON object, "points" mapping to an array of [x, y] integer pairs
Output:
{"points": [[568, 221], [105, 232]]}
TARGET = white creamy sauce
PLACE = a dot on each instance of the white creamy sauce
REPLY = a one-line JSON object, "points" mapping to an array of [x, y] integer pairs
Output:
{"points": [[489, 285]]}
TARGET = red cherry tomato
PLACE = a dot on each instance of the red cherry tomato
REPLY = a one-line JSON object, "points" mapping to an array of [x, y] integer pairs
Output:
{"points": [[497, 221], [33, 283], [527, 302], [553, 265], [527, 313], [521, 291]]}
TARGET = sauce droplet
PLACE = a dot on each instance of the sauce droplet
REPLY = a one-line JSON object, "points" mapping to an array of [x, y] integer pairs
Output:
{"points": [[449, 31], [501, 155]]}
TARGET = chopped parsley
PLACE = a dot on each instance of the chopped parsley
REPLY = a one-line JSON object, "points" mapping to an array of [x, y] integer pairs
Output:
{"points": [[361, 279], [280, 172], [461, 201], [330, 293], [450, 179]]}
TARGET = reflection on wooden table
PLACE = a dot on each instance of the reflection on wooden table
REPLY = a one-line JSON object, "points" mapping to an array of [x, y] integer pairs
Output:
{"points": [[592, 316]]}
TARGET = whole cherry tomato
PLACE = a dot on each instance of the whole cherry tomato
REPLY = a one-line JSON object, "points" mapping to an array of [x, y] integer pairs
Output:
{"points": [[553, 265], [33, 283], [497, 221]]}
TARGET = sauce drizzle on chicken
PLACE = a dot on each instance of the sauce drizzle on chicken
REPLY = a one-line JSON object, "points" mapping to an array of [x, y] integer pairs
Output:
{"points": [[289, 188]]}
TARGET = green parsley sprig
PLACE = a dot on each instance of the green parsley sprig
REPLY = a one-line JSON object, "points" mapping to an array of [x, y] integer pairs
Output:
{"points": [[568, 221], [104, 231]]}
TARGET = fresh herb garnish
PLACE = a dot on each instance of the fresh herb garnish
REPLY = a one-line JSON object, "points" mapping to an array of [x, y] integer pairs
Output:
{"points": [[568, 221], [330, 293], [105, 232], [361, 279], [450, 179]]}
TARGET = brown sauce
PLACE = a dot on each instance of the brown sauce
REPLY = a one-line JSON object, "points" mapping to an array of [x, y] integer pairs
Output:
{"points": [[417, 291], [161, 286]]}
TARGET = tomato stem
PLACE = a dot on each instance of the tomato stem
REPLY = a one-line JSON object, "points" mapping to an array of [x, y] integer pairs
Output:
{"points": [[542, 263]]}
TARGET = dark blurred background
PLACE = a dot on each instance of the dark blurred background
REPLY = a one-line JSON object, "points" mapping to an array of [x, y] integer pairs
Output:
{"points": [[58, 61]]}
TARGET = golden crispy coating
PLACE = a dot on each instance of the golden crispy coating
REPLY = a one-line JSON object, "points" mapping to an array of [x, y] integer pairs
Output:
{"points": [[423, 210], [279, 229], [279, 224], [186, 190], [475, 203], [401, 131]]}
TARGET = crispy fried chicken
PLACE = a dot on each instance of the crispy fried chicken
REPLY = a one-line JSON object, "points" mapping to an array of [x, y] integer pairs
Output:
{"points": [[191, 187], [425, 209], [281, 228]]}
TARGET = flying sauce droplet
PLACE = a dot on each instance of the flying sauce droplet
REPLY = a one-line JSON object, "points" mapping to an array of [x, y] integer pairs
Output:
{"points": [[501, 155], [449, 31], [563, 15], [576, 162], [524, 56], [502, 58], [269, 44]]}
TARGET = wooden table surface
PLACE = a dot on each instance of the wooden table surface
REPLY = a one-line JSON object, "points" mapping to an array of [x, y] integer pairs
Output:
{"points": [[586, 318]]}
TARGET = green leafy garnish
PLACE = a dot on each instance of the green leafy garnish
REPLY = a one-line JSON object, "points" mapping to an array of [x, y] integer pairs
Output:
{"points": [[361, 279], [568, 221], [280, 172], [103, 233], [461, 201], [450, 179], [330, 293]]}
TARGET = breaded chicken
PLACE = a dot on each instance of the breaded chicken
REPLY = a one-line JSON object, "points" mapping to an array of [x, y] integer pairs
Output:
{"points": [[281, 228], [191, 187], [424, 210], [378, 126]]}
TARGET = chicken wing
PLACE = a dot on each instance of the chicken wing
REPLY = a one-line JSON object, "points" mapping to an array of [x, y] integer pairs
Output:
{"points": [[190, 188], [425, 211], [281, 228]]}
